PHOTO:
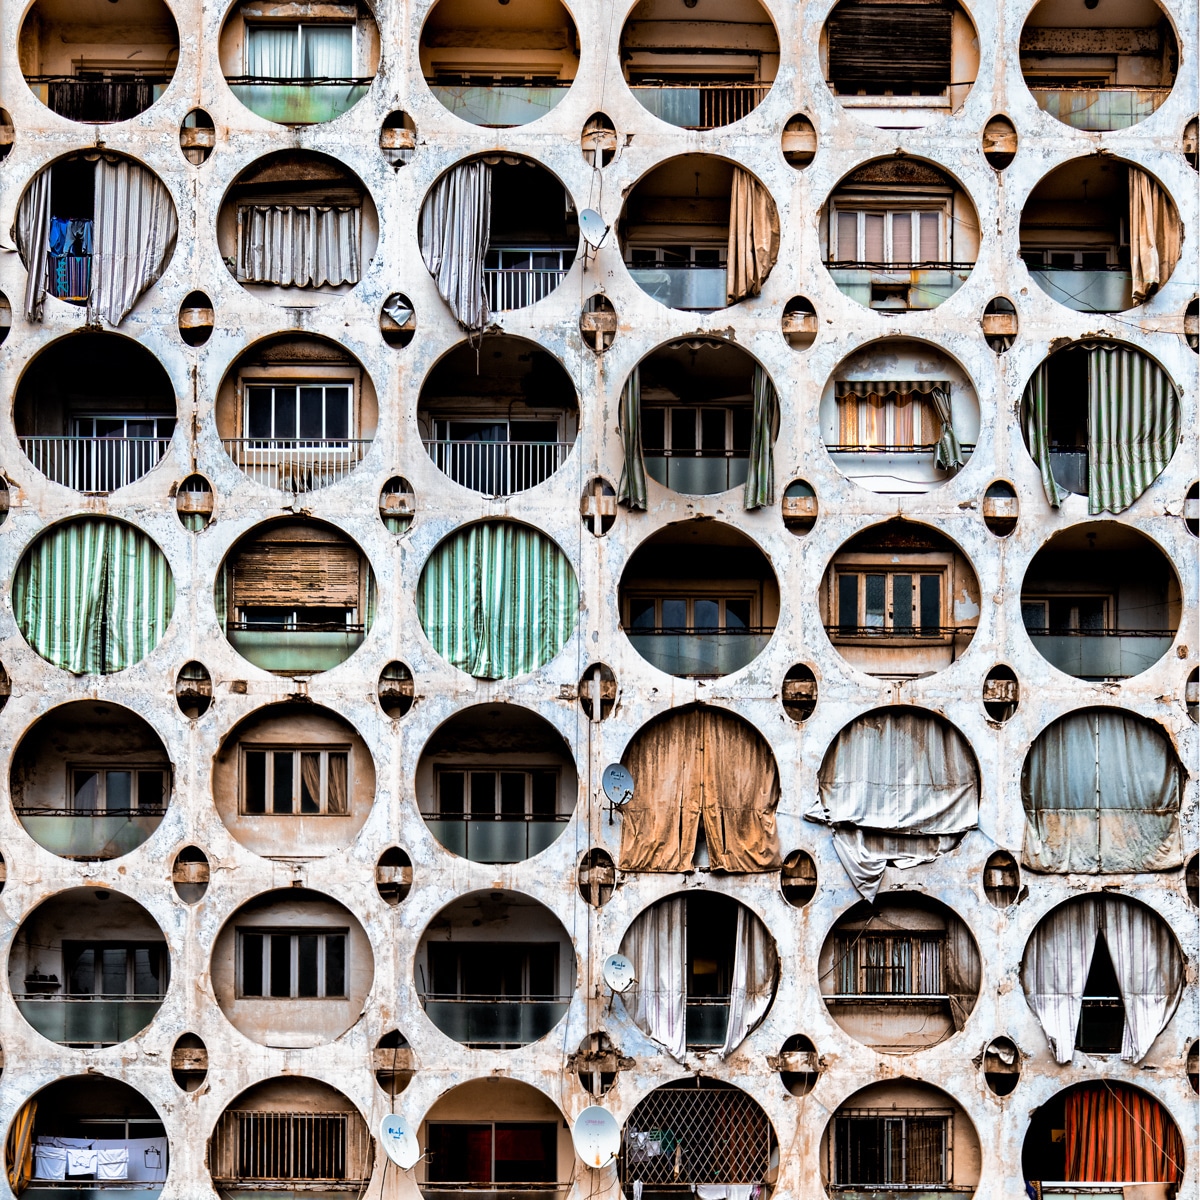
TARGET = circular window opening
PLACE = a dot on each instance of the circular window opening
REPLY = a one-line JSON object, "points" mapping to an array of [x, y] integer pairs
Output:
{"points": [[396, 690], [110, 989], [191, 874], [397, 505], [597, 690], [397, 321], [194, 503], [398, 139], [1001, 693], [999, 142], [1001, 879], [598, 323], [598, 1062], [597, 877], [394, 1063], [598, 142], [1000, 324], [499, 416], [798, 878], [899, 417], [1119, 614], [1001, 508], [458, 989], [699, 600], [694, 274], [193, 690], [196, 319]]}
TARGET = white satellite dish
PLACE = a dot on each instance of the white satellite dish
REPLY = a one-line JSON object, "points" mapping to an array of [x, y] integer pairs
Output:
{"points": [[617, 784], [596, 1135], [593, 228], [399, 1141], [618, 973]]}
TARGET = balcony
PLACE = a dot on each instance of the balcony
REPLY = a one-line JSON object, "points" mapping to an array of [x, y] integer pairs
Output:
{"points": [[697, 289], [699, 105], [498, 468], [296, 464], [706, 1020], [499, 106], [294, 651], [900, 286], [698, 473], [298, 101], [1098, 290], [503, 839], [97, 100], [1103, 654], [98, 465], [517, 287], [1100, 109], [494, 1022], [894, 469], [699, 653], [84, 1020], [89, 836]]}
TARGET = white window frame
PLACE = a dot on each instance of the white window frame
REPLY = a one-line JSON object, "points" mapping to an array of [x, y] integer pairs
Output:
{"points": [[270, 750], [321, 933], [838, 253], [324, 382], [90, 418], [689, 248], [299, 27], [102, 770]]}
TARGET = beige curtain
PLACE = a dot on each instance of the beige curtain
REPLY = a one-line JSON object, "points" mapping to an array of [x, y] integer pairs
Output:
{"points": [[339, 800], [1155, 235], [753, 236], [741, 793], [755, 975]]}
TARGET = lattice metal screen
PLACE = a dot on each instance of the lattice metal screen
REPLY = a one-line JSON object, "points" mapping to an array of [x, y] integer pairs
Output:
{"points": [[680, 1136]]}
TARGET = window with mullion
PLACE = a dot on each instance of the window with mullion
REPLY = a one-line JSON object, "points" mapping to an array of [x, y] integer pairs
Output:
{"points": [[900, 236], [295, 781], [304, 411], [705, 429], [493, 971], [690, 614], [505, 794], [304, 51], [486, 1152], [292, 964], [116, 789], [877, 1149], [115, 969], [879, 965], [901, 603]]}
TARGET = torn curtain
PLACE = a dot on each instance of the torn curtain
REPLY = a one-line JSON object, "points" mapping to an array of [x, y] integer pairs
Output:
{"points": [[1102, 791], [1155, 235], [656, 944], [455, 225], [898, 787], [700, 764], [753, 236], [1146, 961], [31, 232], [1119, 1134], [134, 237], [632, 489], [299, 245], [1035, 416], [760, 474], [498, 599], [755, 974]]}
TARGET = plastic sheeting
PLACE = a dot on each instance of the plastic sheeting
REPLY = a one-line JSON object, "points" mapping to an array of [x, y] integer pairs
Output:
{"points": [[753, 237], [1102, 791], [298, 245], [456, 221], [899, 788], [1155, 235], [1146, 960]]}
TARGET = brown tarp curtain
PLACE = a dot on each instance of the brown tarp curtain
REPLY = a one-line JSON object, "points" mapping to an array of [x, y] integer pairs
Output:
{"points": [[700, 764], [1155, 235], [1118, 1134], [19, 1147], [753, 236]]}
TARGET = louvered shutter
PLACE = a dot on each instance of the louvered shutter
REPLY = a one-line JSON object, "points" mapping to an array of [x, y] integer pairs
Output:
{"points": [[892, 46]]}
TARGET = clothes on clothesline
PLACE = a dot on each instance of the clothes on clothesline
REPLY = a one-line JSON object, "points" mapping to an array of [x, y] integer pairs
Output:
{"points": [[141, 1160]]}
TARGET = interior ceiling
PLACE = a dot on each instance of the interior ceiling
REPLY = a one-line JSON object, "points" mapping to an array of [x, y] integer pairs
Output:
{"points": [[697, 369], [1106, 179], [512, 16], [1099, 537], [689, 176], [739, 12], [501, 366], [152, 16], [1108, 14], [496, 729]]}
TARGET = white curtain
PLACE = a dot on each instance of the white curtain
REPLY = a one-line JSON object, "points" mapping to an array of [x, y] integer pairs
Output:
{"points": [[327, 51], [272, 52], [656, 944], [32, 235], [299, 245], [755, 971], [134, 236], [455, 222]]}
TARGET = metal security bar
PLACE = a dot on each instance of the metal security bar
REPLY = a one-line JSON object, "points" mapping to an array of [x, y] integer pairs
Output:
{"points": [[898, 1147], [296, 464], [695, 1133], [96, 465], [498, 468], [266, 1149], [517, 287], [700, 105], [98, 99]]}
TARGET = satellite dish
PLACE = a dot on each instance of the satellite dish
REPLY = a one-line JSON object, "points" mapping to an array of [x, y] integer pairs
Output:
{"points": [[617, 784], [593, 228], [399, 1141], [596, 1135], [618, 973]]}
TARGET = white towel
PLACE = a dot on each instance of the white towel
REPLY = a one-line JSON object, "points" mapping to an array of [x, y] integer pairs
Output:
{"points": [[113, 1164], [81, 1162], [49, 1162]]}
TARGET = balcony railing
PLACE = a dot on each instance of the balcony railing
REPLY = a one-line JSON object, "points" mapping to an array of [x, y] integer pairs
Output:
{"points": [[700, 105], [97, 465], [498, 468], [296, 464], [90, 836], [1103, 654], [495, 1191], [290, 1152], [1099, 290], [87, 1020], [295, 651], [495, 1021], [696, 289], [97, 101], [698, 472], [873, 633], [69, 277], [1100, 109], [894, 469], [699, 653], [517, 287], [900, 286], [500, 106], [706, 1019], [298, 101], [506, 839]]}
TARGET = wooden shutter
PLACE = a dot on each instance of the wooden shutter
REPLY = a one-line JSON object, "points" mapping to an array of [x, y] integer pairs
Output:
{"points": [[892, 46], [306, 573]]}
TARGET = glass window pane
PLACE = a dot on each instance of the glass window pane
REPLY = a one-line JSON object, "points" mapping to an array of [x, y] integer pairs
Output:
{"points": [[252, 964], [450, 792], [86, 796], [150, 790], [712, 429], [704, 257], [254, 799], [737, 614], [310, 782], [902, 602], [271, 51], [146, 980], [335, 964], [674, 614], [258, 412], [1091, 614], [512, 793], [337, 412], [281, 793], [483, 793], [285, 412], [533, 431], [847, 237], [118, 790], [931, 603], [306, 964], [847, 603], [327, 51], [683, 429], [1033, 615], [706, 614], [653, 429], [641, 614], [281, 964], [743, 420], [81, 974], [545, 793], [113, 974], [876, 601], [543, 970], [312, 412], [931, 250], [902, 237], [526, 1153], [874, 238]]}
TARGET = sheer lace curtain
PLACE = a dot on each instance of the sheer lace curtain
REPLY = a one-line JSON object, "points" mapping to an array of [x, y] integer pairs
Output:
{"points": [[755, 975], [656, 944]]}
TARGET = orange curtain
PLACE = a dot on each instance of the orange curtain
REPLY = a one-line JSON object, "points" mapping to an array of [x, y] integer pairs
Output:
{"points": [[19, 1148], [1117, 1134]]}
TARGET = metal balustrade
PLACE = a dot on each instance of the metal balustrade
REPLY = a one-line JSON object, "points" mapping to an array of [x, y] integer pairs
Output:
{"points": [[1100, 109], [498, 468], [95, 99], [90, 1020], [697, 472], [298, 101], [97, 465], [296, 464], [700, 105], [494, 1022], [504, 839], [517, 287], [1102, 653], [260, 1149], [88, 836]]}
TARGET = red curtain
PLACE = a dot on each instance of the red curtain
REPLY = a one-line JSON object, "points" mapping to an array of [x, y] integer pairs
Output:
{"points": [[1117, 1134]]}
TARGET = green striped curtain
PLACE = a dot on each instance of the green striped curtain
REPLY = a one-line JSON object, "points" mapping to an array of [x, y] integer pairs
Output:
{"points": [[760, 476], [498, 599], [1133, 425], [93, 596], [1035, 413], [632, 489]]}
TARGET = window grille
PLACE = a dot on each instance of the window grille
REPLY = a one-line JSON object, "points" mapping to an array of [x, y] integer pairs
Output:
{"points": [[879, 1148], [266, 1148], [873, 965], [899, 603]]}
